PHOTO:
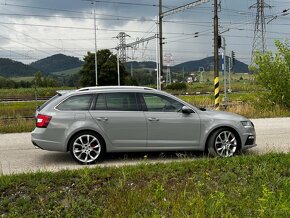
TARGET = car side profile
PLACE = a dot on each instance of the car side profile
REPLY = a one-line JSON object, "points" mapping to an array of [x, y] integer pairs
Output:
{"points": [[92, 121]]}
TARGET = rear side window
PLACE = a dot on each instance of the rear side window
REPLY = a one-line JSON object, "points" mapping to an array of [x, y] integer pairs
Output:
{"points": [[121, 101], [76, 103], [117, 102], [101, 102]]}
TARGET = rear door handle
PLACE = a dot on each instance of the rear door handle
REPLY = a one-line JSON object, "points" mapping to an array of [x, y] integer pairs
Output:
{"points": [[153, 119], [103, 119]]}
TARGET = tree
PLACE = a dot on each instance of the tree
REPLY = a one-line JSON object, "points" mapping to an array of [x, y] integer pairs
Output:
{"points": [[107, 69], [44, 81], [37, 79], [273, 73]]}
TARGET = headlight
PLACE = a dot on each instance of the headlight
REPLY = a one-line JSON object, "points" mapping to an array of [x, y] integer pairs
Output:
{"points": [[247, 124]]}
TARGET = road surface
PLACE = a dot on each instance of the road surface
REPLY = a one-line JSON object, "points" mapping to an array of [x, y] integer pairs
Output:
{"points": [[19, 155]]}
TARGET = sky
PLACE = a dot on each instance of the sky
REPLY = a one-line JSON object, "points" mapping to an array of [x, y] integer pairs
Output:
{"points": [[34, 29]]}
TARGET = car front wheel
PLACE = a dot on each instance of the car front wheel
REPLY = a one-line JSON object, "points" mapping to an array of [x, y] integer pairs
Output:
{"points": [[223, 143], [86, 147]]}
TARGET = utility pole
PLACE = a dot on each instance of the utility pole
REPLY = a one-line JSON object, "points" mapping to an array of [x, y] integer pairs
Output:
{"points": [[167, 13], [224, 69], [160, 41], [216, 58], [96, 48], [118, 67]]}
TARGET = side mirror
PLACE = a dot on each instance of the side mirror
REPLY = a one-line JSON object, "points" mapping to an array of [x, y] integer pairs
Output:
{"points": [[186, 110]]}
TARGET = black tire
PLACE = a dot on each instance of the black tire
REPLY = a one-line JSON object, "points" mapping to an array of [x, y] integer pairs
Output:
{"points": [[223, 143], [87, 147]]}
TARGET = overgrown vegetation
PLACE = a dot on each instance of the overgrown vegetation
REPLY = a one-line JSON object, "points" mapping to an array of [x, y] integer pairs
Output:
{"points": [[31, 92], [177, 86], [273, 73], [243, 186], [16, 125], [39, 80]]}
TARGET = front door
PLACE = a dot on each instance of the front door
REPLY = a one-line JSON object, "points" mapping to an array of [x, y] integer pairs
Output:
{"points": [[168, 126]]}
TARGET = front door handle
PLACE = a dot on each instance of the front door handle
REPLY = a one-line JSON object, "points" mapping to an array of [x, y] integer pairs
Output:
{"points": [[153, 119], [103, 119]]}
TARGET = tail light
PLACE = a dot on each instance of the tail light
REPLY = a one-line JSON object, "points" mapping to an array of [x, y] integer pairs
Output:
{"points": [[42, 121]]}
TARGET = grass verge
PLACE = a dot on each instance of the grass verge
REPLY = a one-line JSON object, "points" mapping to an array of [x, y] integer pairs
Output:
{"points": [[17, 125], [243, 186]]}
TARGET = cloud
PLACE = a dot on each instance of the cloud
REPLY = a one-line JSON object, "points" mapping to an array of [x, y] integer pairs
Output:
{"points": [[42, 35]]}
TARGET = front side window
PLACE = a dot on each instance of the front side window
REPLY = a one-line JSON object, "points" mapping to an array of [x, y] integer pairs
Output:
{"points": [[76, 103], [159, 103]]}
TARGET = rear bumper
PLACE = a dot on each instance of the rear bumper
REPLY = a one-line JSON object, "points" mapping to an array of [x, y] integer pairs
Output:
{"points": [[39, 140]]}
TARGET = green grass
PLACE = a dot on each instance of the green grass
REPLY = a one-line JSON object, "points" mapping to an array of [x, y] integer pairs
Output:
{"points": [[25, 78], [67, 72], [16, 109], [15, 126], [236, 86], [248, 105], [30, 92], [244, 186]]}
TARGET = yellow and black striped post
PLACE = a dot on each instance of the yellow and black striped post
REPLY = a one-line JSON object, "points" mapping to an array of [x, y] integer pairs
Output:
{"points": [[217, 45], [216, 93]]}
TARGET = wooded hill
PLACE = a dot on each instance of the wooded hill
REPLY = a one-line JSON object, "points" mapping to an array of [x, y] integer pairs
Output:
{"points": [[56, 63], [60, 62], [11, 68]]}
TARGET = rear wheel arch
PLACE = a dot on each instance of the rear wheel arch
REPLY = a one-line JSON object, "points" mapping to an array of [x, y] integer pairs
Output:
{"points": [[85, 131], [237, 135]]}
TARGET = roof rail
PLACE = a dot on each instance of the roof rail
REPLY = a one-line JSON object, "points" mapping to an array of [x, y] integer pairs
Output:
{"points": [[113, 87]]}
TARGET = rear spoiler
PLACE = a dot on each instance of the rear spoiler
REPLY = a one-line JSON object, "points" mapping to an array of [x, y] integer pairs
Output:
{"points": [[62, 92]]}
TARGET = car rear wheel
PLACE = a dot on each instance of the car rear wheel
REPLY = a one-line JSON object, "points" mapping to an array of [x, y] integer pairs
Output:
{"points": [[87, 147], [223, 143]]}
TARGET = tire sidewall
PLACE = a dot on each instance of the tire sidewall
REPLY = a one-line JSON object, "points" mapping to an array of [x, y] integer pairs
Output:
{"points": [[98, 137], [211, 142]]}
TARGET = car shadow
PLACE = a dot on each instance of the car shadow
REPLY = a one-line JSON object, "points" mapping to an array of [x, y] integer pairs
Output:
{"points": [[63, 159]]}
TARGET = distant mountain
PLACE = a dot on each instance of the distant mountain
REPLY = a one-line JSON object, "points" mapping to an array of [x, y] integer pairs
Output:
{"points": [[11, 68], [190, 66], [56, 63], [208, 64]]}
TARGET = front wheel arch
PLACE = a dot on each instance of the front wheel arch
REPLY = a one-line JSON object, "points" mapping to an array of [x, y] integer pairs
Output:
{"points": [[237, 135]]}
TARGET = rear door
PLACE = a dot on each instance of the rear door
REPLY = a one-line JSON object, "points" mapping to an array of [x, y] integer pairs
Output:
{"points": [[168, 126], [120, 117]]}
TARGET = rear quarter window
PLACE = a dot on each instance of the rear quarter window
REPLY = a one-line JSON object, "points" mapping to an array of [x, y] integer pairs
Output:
{"points": [[47, 102], [76, 103]]}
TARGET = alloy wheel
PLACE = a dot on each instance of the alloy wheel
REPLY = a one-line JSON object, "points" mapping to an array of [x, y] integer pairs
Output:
{"points": [[226, 144], [86, 148]]}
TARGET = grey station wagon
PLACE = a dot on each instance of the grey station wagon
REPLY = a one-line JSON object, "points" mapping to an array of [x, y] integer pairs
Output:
{"points": [[91, 121]]}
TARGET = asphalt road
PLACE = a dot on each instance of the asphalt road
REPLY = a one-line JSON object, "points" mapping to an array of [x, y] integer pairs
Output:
{"points": [[19, 155]]}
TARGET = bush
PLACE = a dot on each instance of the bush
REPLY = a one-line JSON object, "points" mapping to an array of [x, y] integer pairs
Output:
{"points": [[273, 73], [176, 86]]}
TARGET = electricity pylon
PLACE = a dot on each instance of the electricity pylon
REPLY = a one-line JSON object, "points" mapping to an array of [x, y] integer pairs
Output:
{"points": [[259, 42]]}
